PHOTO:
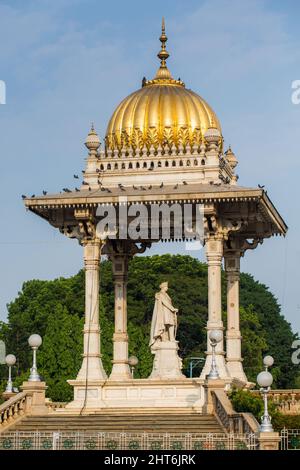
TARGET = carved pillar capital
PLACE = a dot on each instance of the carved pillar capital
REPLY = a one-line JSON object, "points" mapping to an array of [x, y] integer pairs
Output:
{"points": [[238, 245], [220, 228]]}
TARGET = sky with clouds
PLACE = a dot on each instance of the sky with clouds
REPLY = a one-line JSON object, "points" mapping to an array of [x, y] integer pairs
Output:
{"points": [[67, 63]]}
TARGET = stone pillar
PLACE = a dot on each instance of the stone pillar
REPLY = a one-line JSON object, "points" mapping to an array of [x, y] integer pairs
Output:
{"points": [[92, 368], [269, 440], [233, 334], [120, 369], [36, 398], [214, 253]]}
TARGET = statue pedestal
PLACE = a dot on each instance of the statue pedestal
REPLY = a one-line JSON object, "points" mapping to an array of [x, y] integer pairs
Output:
{"points": [[167, 364]]}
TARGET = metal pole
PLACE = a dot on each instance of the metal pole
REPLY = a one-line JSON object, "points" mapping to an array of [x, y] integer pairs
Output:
{"points": [[34, 376], [9, 388], [266, 425], [213, 374]]}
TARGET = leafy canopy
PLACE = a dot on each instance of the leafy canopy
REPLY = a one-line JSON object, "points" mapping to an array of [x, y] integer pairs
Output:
{"points": [[55, 310]]}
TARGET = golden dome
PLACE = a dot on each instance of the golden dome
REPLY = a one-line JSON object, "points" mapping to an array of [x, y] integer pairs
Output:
{"points": [[163, 112]]}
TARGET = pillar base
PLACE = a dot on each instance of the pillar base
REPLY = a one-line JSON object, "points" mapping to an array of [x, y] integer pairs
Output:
{"points": [[87, 395], [268, 440], [8, 395], [91, 369], [235, 369], [36, 403], [120, 371]]}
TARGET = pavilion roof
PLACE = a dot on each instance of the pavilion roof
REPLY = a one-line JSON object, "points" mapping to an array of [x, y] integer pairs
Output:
{"points": [[190, 193]]}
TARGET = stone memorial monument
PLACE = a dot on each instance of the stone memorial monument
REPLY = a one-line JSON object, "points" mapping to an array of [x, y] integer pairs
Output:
{"points": [[167, 364]]}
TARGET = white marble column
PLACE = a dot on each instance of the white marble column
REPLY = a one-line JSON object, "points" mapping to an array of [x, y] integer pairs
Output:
{"points": [[214, 254], [92, 368], [120, 370], [233, 334]]}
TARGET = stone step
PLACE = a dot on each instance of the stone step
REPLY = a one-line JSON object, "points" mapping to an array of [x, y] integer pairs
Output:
{"points": [[102, 419], [129, 411], [194, 423]]}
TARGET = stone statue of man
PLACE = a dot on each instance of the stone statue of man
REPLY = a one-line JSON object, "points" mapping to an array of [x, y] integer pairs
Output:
{"points": [[164, 318]]}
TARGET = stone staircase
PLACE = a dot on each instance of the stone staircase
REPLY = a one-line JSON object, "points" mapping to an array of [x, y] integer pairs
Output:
{"points": [[158, 422]]}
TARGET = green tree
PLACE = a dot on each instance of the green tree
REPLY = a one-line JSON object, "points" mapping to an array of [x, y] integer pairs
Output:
{"points": [[55, 310]]}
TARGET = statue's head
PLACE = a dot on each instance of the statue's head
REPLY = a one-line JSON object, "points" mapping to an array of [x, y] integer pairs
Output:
{"points": [[164, 286]]}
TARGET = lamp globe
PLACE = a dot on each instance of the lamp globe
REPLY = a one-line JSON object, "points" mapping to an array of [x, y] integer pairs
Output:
{"points": [[10, 360], [35, 341], [264, 379], [268, 361], [216, 336]]}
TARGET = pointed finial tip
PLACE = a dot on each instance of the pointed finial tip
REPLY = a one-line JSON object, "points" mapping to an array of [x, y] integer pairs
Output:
{"points": [[163, 53]]}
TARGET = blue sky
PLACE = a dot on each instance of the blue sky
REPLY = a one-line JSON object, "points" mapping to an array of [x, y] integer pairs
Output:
{"points": [[69, 62]]}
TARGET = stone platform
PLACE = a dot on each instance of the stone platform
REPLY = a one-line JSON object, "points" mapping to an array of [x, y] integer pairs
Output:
{"points": [[137, 394]]}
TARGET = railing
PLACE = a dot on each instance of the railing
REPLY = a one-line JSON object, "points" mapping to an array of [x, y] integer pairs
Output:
{"points": [[287, 401], [124, 441], [12, 410], [290, 439], [55, 405], [232, 421]]}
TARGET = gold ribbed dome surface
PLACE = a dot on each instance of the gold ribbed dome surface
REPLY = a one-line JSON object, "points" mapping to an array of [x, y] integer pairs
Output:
{"points": [[162, 112]]}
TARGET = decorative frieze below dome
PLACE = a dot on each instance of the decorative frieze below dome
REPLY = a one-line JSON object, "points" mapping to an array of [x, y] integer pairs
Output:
{"points": [[153, 142]]}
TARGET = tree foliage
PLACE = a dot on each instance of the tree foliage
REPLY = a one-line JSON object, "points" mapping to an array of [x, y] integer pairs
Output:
{"points": [[55, 310]]}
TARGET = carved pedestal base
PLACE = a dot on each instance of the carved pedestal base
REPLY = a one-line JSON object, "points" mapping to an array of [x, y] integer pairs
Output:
{"points": [[138, 395], [167, 364]]}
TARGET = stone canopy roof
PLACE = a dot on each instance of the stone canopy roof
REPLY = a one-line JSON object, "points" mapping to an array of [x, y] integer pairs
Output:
{"points": [[190, 193]]}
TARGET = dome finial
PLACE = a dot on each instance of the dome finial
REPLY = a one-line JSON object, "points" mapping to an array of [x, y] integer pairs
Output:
{"points": [[163, 53], [163, 71]]}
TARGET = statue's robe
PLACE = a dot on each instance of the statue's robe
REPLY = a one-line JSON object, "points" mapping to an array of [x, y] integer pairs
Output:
{"points": [[163, 315]]}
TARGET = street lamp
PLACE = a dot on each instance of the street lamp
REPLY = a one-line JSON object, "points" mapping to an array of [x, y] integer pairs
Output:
{"points": [[10, 361], [265, 380], [215, 337], [133, 362], [268, 362], [34, 342]]}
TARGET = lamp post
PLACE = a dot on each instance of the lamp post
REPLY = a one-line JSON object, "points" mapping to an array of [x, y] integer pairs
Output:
{"points": [[265, 380], [268, 362], [10, 361], [133, 362], [34, 342], [215, 337]]}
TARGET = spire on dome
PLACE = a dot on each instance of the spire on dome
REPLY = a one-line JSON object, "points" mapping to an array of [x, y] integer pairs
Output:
{"points": [[163, 71], [163, 53]]}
